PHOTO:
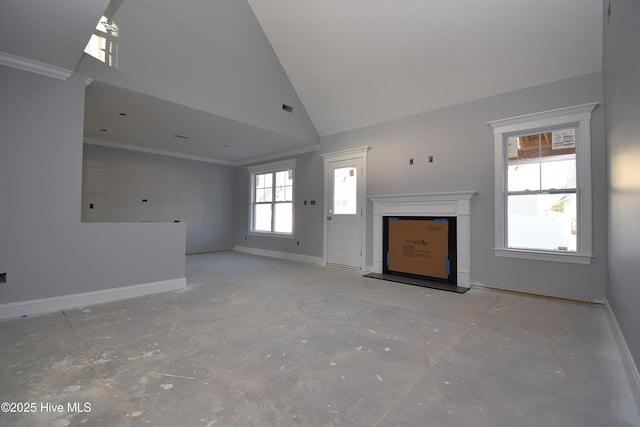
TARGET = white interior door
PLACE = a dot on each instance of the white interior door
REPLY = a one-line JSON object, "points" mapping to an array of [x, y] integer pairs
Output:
{"points": [[345, 213]]}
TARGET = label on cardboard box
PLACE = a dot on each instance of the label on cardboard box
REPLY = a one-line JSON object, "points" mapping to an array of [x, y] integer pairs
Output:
{"points": [[419, 247]]}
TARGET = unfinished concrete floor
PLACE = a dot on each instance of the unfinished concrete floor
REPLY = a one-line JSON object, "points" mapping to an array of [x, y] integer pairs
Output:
{"points": [[265, 342]]}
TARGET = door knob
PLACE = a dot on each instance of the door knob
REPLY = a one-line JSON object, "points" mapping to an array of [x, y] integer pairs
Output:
{"points": [[329, 218]]}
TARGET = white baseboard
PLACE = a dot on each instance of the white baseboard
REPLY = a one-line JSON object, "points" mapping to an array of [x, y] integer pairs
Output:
{"points": [[627, 360], [64, 302], [281, 255]]}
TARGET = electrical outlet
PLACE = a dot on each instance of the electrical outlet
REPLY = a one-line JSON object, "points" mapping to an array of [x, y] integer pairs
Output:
{"points": [[3, 277], [430, 159], [410, 161]]}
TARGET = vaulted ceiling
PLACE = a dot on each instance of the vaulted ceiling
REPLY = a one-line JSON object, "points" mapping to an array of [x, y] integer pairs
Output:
{"points": [[361, 62], [221, 73]]}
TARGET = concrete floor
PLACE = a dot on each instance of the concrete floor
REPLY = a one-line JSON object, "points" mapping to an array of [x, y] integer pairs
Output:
{"points": [[265, 342]]}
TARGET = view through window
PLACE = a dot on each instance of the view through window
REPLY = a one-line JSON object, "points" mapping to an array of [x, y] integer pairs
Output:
{"points": [[273, 202], [103, 42], [543, 200], [541, 191]]}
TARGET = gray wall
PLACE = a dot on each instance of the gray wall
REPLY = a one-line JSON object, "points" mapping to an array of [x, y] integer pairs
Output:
{"points": [[308, 185], [238, 77], [198, 193], [44, 248], [622, 94], [462, 145]]}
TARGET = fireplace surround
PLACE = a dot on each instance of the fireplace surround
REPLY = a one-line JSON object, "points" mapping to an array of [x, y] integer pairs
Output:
{"points": [[453, 204]]}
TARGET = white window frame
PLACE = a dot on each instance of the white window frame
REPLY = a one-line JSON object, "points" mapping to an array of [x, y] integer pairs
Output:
{"points": [[579, 116], [289, 164]]}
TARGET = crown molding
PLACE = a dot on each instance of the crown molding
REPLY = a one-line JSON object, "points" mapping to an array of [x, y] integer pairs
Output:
{"points": [[349, 153], [34, 66], [294, 152], [577, 113], [149, 150], [160, 152]]}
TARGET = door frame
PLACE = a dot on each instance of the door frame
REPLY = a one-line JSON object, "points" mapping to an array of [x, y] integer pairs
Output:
{"points": [[336, 156]]}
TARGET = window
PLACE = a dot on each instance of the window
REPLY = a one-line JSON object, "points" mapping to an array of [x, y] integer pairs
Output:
{"points": [[272, 198], [103, 42], [543, 185]]}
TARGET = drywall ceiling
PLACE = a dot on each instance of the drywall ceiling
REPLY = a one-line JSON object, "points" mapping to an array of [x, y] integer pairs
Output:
{"points": [[49, 32], [361, 62], [219, 72], [126, 119]]}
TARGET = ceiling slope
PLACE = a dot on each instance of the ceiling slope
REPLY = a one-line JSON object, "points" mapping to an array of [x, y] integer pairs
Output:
{"points": [[45, 34], [210, 56], [122, 118], [227, 68], [361, 62], [192, 68]]}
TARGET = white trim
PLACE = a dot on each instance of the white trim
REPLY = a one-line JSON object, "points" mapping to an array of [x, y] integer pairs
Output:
{"points": [[157, 151], [271, 234], [289, 153], [273, 167], [549, 118], [627, 359], [280, 255], [419, 198], [337, 156], [288, 164], [161, 152], [567, 257], [34, 66], [64, 302], [455, 203], [350, 153], [579, 115]]}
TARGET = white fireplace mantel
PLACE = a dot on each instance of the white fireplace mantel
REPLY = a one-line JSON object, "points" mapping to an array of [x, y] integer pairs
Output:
{"points": [[456, 204]]}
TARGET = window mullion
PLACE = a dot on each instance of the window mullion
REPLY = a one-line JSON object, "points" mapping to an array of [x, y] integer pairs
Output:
{"points": [[273, 201], [540, 161]]}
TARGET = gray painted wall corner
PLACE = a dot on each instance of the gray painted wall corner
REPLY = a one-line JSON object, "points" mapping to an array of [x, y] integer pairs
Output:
{"points": [[44, 248], [461, 144], [621, 70], [308, 236]]}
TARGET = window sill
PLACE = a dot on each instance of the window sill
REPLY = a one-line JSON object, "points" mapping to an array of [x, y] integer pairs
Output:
{"points": [[571, 258], [271, 234]]}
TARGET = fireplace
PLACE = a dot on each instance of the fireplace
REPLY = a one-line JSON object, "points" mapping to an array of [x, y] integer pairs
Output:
{"points": [[438, 206], [420, 247]]}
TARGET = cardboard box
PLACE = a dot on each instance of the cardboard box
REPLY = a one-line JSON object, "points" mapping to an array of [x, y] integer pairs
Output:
{"points": [[419, 247]]}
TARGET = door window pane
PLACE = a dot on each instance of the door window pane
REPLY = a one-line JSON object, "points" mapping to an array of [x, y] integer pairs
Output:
{"points": [[345, 187]]}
